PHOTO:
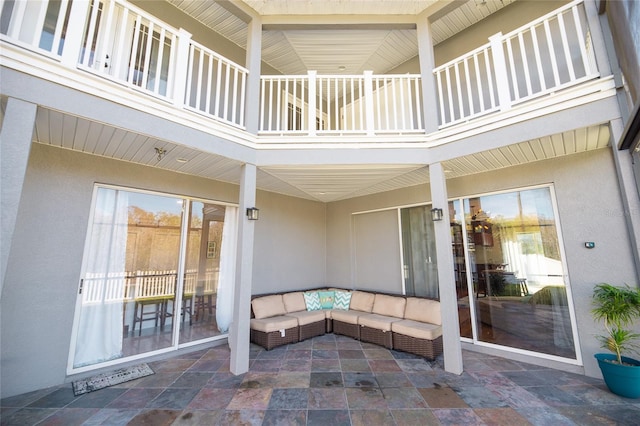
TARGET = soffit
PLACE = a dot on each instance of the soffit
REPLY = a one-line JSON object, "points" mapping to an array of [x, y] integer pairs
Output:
{"points": [[296, 51], [78, 134], [338, 7], [314, 182]]}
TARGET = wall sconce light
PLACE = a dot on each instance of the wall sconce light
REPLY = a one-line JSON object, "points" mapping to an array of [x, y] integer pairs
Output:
{"points": [[253, 213], [436, 214]]}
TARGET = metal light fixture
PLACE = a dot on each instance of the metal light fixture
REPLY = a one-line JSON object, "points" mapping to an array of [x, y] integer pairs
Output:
{"points": [[161, 152], [253, 213], [436, 214]]}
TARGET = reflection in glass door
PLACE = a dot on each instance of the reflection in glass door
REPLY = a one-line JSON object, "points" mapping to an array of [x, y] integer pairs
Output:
{"points": [[202, 270], [516, 295], [135, 296], [460, 269]]}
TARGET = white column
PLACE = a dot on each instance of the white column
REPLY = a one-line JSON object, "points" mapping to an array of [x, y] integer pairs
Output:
{"points": [[500, 69], [628, 190], [239, 330], [181, 68], [427, 64], [15, 144], [597, 38], [75, 30], [446, 278], [368, 103], [254, 58], [313, 107]]}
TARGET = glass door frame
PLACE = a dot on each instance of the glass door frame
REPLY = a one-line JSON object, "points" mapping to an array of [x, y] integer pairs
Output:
{"points": [[565, 276], [184, 228]]}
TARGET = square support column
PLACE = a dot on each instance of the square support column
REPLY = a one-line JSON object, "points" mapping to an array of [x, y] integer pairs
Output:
{"points": [[239, 330], [15, 145], [446, 277], [427, 64], [253, 58]]}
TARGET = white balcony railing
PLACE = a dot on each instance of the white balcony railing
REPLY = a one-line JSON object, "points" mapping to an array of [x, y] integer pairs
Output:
{"points": [[115, 40], [215, 85], [547, 55], [339, 104], [126, 45]]}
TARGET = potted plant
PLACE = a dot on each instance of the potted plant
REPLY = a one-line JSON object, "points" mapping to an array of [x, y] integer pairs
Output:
{"points": [[617, 308]]}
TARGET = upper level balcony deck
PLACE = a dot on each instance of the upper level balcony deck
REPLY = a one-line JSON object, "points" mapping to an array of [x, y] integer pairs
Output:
{"points": [[119, 50]]}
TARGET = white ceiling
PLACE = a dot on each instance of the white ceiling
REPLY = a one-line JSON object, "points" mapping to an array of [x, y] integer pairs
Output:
{"points": [[296, 51], [339, 7], [314, 182]]}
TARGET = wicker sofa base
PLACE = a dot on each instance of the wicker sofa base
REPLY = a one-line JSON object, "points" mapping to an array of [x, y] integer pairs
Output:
{"points": [[308, 331], [429, 349], [379, 337], [351, 330], [272, 339]]}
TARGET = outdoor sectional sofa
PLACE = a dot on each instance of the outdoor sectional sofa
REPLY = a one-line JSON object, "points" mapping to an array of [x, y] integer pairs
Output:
{"points": [[409, 324]]}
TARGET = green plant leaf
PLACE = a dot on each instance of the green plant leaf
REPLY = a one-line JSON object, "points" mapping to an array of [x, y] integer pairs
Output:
{"points": [[617, 308]]}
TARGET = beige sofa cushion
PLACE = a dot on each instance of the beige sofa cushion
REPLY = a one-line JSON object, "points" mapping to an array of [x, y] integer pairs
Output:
{"points": [[392, 306], [347, 317], [419, 330], [308, 317], [423, 310], [379, 322], [267, 325], [362, 301], [294, 302], [268, 306]]}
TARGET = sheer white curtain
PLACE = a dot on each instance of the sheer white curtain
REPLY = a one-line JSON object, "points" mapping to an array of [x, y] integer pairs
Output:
{"points": [[227, 277], [100, 332]]}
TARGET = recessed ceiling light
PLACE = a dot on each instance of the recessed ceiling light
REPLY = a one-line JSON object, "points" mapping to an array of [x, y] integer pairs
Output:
{"points": [[181, 160], [342, 68]]}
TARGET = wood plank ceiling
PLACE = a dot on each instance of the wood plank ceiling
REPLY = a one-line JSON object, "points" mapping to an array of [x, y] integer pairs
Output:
{"points": [[314, 182], [296, 51]]}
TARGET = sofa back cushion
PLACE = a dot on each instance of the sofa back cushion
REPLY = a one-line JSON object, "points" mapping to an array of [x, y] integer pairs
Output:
{"points": [[391, 306], [268, 306], [294, 302], [362, 301], [423, 310]]}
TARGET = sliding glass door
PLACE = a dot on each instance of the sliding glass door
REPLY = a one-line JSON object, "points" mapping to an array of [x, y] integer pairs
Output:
{"points": [[151, 274], [420, 263], [507, 252]]}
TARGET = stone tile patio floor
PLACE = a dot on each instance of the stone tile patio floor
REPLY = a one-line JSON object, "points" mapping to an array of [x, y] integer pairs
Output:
{"points": [[332, 380]]}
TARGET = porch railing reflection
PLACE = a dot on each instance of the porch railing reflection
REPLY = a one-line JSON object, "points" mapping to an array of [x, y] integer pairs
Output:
{"points": [[143, 285]]}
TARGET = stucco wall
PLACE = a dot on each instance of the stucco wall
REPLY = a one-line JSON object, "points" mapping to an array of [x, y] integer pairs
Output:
{"points": [[589, 206], [624, 21], [290, 246], [505, 20], [199, 32], [43, 273]]}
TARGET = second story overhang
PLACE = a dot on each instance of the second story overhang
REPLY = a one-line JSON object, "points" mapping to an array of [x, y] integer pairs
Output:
{"points": [[493, 110]]}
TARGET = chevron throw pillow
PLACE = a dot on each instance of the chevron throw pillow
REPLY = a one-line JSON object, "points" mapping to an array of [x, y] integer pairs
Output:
{"points": [[312, 300], [342, 300]]}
